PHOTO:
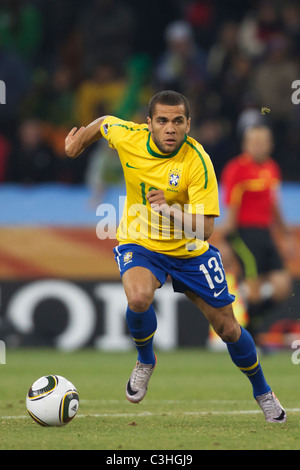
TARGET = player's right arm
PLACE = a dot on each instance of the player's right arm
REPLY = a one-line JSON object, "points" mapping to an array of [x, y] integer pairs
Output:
{"points": [[77, 140]]}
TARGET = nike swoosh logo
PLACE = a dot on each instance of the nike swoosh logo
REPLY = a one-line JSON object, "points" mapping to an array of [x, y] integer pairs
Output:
{"points": [[129, 389], [129, 166], [282, 415], [216, 294]]}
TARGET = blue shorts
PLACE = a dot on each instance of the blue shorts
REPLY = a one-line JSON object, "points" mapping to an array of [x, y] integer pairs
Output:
{"points": [[204, 275]]}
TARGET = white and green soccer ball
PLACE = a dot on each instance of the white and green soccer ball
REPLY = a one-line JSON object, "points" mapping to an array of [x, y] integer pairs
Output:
{"points": [[52, 401]]}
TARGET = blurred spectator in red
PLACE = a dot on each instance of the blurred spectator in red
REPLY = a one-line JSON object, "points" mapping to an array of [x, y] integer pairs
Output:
{"points": [[259, 27], [201, 15], [5, 149]]}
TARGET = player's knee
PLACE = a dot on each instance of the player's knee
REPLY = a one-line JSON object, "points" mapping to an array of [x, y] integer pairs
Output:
{"points": [[140, 300], [229, 331]]}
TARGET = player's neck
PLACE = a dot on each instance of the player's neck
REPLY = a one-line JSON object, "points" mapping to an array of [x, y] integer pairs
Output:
{"points": [[155, 150]]}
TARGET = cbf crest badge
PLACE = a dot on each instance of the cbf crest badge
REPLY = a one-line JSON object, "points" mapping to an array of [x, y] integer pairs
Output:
{"points": [[128, 256], [174, 178]]}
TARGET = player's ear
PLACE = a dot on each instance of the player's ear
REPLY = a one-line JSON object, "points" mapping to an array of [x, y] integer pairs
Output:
{"points": [[149, 124], [188, 128]]}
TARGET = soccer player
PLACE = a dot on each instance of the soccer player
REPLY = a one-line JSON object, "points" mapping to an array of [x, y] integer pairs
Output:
{"points": [[250, 182], [165, 169]]}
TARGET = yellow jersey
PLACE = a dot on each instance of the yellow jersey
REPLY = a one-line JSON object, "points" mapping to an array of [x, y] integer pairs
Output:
{"points": [[186, 176]]}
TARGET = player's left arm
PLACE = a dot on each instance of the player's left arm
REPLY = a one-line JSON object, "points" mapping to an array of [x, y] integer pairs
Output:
{"points": [[279, 219], [288, 246], [195, 225], [279, 223], [77, 140]]}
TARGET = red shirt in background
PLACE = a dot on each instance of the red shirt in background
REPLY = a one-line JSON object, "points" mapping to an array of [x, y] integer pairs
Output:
{"points": [[251, 186], [4, 155]]}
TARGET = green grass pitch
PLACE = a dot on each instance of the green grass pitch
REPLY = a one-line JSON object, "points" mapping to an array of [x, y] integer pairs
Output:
{"points": [[196, 400]]}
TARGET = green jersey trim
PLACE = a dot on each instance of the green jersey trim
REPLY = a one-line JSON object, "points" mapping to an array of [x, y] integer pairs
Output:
{"points": [[158, 155], [203, 163]]}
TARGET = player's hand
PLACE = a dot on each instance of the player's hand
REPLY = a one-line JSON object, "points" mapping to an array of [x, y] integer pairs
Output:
{"points": [[71, 139], [158, 201]]}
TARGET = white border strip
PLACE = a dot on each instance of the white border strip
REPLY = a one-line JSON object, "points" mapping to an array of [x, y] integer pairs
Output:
{"points": [[170, 413]]}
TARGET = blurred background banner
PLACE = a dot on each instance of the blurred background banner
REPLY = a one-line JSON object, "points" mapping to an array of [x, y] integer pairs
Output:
{"points": [[64, 64]]}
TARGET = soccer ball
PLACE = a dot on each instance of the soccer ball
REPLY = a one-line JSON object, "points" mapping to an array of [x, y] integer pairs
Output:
{"points": [[52, 401]]}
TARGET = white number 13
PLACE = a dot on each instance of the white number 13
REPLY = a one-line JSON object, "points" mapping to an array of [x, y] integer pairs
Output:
{"points": [[212, 264]]}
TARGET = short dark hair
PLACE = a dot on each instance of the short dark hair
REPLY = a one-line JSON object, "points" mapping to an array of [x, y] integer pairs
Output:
{"points": [[169, 98]]}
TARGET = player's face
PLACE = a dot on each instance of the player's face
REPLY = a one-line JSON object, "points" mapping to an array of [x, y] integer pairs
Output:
{"points": [[168, 127], [258, 142]]}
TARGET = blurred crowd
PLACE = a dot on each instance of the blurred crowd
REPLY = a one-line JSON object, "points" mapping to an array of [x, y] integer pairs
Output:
{"points": [[65, 63]]}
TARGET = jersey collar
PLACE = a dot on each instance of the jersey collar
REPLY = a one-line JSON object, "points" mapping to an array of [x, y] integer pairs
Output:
{"points": [[155, 153]]}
